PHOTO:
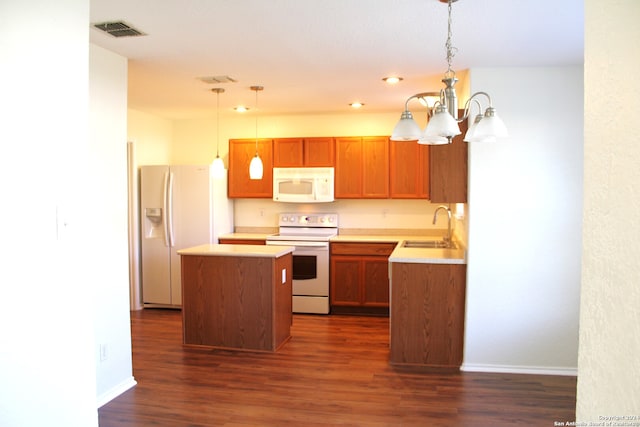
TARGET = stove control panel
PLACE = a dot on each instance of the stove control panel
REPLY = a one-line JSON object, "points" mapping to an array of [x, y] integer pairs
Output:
{"points": [[308, 220]]}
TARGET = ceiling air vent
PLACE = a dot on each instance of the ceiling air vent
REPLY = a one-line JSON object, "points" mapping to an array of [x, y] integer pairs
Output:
{"points": [[217, 79], [118, 29]]}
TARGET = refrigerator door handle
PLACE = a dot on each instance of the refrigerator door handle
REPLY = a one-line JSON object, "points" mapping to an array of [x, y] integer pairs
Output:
{"points": [[169, 195], [165, 219]]}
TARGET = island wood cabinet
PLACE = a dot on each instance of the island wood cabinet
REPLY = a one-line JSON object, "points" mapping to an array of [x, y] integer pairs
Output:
{"points": [[448, 169], [359, 278], [241, 151], [303, 152], [409, 170], [427, 315], [236, 302], [362, 168]]}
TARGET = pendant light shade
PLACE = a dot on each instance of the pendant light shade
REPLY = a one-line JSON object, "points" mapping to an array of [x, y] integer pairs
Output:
{"points": [[217, 167], [256, 169], [407, 129]]}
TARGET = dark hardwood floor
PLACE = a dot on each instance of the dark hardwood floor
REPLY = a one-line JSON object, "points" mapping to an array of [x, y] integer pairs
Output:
{"points": [[333, 372]]}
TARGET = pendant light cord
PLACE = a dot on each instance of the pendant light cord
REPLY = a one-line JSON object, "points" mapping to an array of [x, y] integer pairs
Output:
{"points": [[257, 121], [218, 126]]}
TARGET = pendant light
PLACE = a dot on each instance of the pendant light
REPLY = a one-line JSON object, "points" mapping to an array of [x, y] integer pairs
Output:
{"points": [[255, 167], [443, 122], [217, 167]]}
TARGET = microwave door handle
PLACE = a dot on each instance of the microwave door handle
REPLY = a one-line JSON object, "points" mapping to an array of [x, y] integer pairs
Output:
{"points": [[315, 188]]}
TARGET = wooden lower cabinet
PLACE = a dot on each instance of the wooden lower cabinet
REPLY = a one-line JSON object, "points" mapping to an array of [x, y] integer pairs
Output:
{"points": [[427, 315], [359, 282]]}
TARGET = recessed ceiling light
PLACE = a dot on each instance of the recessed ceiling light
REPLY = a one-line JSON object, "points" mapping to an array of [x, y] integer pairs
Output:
{"points": [[241, 109], [392, 80], [356, 104]]}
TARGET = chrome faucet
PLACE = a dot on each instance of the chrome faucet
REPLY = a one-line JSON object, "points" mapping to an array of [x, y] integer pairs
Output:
{"points": [[447, 239]]}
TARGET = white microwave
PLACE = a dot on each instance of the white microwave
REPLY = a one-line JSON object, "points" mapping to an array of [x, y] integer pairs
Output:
{"points": [[303, 185]]}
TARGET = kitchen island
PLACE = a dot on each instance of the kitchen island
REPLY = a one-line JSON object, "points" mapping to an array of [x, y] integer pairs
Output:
{"points": [[236, 296]]}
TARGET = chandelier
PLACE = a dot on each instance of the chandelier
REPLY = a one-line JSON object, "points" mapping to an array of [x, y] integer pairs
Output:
{"points": [[443, 121]]}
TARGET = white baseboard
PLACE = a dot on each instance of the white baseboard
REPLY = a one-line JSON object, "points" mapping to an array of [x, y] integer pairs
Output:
{"points": [[116, 391], [511, 369]]}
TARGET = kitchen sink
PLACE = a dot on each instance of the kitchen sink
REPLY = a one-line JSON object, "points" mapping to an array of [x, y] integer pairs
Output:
{"points": [[429, 244]]}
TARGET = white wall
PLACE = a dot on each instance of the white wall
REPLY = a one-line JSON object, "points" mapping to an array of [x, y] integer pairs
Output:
{"points": [[608, 368], [151, 136], [525, 208], [108, 200], [47, 364]]}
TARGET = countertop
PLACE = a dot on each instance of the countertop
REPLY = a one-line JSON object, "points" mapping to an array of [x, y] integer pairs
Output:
{"points": [[400, 254], [262, 251], [245, 236], [410, 255]]}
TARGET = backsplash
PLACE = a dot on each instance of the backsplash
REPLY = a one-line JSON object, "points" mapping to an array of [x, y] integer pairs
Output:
{"points": [[388, 215]]}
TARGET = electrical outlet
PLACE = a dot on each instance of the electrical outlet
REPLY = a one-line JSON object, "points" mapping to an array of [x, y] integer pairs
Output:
{"points": [[104, 352]]}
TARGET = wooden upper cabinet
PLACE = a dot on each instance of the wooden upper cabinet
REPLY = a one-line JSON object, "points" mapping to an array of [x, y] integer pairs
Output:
{"points": [[448, 170], [375, 167], [408, 170], [297, 152], [362, 167], [348, 173], [241, 151]]}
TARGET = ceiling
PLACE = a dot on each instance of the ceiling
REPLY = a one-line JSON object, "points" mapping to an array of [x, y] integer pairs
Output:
{"points": [[318, 56]]}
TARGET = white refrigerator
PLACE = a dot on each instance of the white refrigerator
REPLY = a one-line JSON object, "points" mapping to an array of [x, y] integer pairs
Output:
{"points": [[180, 207]]}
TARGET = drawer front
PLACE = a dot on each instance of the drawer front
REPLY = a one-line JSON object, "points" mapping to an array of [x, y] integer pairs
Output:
{"points": [[353, 248]]}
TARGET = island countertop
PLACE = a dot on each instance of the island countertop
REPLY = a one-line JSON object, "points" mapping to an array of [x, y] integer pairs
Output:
{"points": [[270, 251]]}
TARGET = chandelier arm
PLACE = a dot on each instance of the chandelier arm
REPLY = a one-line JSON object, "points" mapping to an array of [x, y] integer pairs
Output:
{"points": [[467, 108], [482, 93]]}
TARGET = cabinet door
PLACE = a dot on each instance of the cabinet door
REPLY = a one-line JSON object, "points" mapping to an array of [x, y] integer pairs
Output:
{"points": [[375, 282], [348, 173], [408, 170], [241, 151], [319, 152], [427, 314], [288, 152], [375, 167], [362, 168], [345, 281], [448, 170]]}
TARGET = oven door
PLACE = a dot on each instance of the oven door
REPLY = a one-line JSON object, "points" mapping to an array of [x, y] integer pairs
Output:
{"points": [[310, 267]]}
